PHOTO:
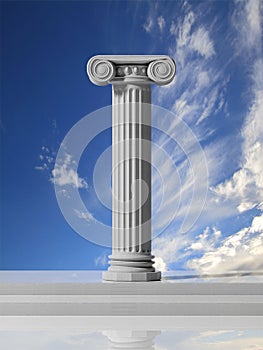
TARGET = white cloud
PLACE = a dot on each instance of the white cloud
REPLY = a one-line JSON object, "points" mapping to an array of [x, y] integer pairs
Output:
{"points": [[101, 260], [188, 40], [201, 92], [181, 195], [240, 193], [201, 43], [152, 20], [46, 158], [200, 88], [42, 167], [253, 9], [209, 103], [184, 29], [196, 246], [247, 20], [173, 28], [169, 248], [227, 340], [206, 240], [148, 26], [245, 206], [245, 188], [161, 23], [160, 265], [203, 80], [64, 174], [45, 149], [257, 224], [84, 215], [215, 333], [240, 251]]}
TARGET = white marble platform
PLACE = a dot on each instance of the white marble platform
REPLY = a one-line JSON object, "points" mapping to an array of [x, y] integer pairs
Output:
{"points": [[82, 293]]}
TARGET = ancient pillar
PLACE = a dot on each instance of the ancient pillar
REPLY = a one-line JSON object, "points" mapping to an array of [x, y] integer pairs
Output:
{"points": [[131, 78]]}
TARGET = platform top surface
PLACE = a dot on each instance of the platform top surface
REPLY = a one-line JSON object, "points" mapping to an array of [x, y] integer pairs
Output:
{"points": [[96, 277]]}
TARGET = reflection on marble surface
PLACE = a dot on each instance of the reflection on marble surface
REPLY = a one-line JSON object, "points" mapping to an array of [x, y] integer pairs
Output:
{"points": [[131, 339], [143, 340], [203, 337]]}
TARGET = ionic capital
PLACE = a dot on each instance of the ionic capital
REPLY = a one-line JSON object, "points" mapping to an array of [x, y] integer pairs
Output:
{"points": [[104, 70]]}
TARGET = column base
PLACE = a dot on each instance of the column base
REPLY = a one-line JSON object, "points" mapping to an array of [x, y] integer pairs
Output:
{"points": [[131, 276]]}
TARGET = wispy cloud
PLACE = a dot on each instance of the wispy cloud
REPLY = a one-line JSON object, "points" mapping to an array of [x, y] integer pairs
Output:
{"points": [[201, 42], [168, 246], [183, 29], [46, 159], [161, 23], [199, 95], [245, 187], [101, 260], [64, 173], [200, 88], [87, 216], [154, 21], [148, 25], [247, 21], [172, 28]]}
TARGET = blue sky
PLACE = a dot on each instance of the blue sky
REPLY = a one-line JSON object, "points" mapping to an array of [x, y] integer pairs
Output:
{"points": [[217, 46]]}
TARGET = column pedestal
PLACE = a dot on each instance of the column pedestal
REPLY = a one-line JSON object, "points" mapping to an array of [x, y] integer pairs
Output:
{"points": [[131, 77]]}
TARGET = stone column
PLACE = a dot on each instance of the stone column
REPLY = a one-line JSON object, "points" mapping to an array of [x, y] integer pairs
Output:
{"points": [[131, 78]]}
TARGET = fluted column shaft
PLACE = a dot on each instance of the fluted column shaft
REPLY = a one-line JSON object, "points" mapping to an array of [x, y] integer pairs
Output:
{"points": [[131, 158], [131, 78], [131, 180]]}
